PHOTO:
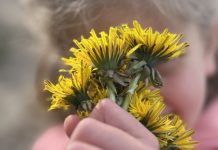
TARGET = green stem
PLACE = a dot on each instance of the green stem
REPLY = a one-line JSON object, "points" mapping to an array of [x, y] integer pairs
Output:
{"points": [[111, 95], [131, 90], [111, 90]]}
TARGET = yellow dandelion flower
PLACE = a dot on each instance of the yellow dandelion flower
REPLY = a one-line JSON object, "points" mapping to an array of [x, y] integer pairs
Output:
{"points": [[148, 112], [79, 55], [138, 107], [81, 77], [59, 92], [59, 103], [97, 93], [148, 94], [154, 47], [70, 90], [83, 114], [104, 52], [182, 137]]}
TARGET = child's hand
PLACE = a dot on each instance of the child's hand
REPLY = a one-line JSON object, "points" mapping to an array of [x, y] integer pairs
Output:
{"points": [[109, 127]]}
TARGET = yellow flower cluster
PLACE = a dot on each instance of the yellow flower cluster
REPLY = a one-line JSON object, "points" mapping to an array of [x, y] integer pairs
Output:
{"points": [[147, 105], [155, 47], [120, 65]]}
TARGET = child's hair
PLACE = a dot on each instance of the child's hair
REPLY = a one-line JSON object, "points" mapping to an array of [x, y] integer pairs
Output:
{"points": [[67, 19], [62, 20]]}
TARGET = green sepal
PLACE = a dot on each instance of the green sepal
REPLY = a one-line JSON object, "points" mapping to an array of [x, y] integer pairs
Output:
{"points": [[156, 78], [119, 80], [133, 84]]}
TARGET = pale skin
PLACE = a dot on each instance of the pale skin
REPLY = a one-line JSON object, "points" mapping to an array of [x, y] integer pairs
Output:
{"points": [[111, 128], [105, 129]]}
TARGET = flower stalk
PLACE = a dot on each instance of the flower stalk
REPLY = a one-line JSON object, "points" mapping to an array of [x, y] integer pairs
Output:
{"points": [[132, 87], [111, 90]]}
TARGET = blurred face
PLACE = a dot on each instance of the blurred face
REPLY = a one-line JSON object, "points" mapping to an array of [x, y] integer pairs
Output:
{"points": [[184, 78]]}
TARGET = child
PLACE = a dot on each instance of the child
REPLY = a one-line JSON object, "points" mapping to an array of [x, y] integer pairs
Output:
{"points": [[184, 90]]}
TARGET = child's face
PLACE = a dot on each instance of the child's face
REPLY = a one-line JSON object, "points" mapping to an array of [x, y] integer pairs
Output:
{"points": [[184, 78], [184, 89]]}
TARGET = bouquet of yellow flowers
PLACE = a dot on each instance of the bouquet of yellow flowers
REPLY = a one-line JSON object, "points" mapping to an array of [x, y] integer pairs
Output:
{"points": [[121, 65]]}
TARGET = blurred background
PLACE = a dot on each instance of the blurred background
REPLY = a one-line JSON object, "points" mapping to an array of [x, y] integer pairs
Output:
{"points": [[22, 119]]}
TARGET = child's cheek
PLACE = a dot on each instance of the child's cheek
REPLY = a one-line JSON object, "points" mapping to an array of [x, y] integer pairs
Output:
{"points": [[184, 92]]}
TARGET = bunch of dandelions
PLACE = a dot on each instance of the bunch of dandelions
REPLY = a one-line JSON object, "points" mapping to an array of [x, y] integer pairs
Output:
{"points": [[121, 65]]}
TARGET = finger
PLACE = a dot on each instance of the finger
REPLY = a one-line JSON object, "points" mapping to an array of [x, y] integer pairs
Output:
{"points": [[105, 136], [70, 123], [110, 113], [81, 146]]}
